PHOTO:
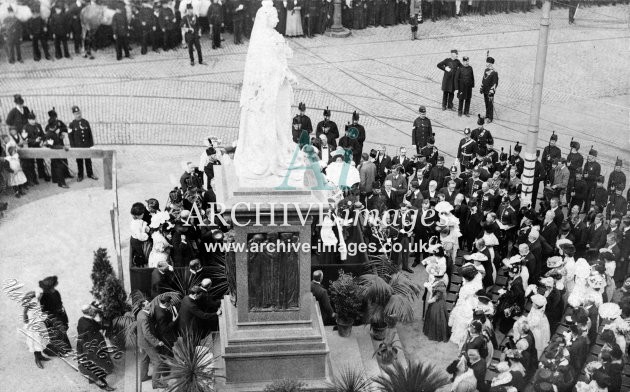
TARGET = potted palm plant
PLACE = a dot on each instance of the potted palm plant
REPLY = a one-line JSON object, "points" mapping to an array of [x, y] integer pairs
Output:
{"points": [[389, 295], [350, 379], [387, 350], [416, 376], [345, 294]]}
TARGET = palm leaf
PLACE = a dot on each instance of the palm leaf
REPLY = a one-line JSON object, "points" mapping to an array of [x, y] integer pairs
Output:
{"points": [[125, 327], [351, 380], [375, 289], [400, 308], [416, 377], [381, 266], [402, 285]]}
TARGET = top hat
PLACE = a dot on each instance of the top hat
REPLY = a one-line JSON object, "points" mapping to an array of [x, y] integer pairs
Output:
{"points": [[480, 120], [17, 98]]}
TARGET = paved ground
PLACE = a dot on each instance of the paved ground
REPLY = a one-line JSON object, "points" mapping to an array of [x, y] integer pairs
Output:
{"points": [[161, 100]]}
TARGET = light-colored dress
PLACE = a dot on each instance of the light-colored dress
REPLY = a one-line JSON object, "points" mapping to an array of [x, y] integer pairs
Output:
{"points": [[160, 250], [462, 313], [34, 329], [539, 325], [294, 22], [17, 177]]}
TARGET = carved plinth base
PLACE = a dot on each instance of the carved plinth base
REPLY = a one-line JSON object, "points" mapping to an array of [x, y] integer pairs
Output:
{"points": [[341, 32], [257, 353]]}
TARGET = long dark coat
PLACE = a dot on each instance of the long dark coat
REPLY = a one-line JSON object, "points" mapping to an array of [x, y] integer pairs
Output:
{"points": [[448, 80], [465, 81]]}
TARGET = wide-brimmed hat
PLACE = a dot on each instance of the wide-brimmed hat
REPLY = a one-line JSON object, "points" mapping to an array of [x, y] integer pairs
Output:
{"points": [[555, 262], [48, 283], [477, 256], [539, 300]]}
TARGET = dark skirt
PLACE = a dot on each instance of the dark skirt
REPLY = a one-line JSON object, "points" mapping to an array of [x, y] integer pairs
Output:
{"points": [[436, 322]]}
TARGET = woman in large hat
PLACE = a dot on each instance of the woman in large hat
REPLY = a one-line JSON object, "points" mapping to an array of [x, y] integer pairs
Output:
{"points": [[538, 323], [436, 319], [511, 301], [56, 317]]}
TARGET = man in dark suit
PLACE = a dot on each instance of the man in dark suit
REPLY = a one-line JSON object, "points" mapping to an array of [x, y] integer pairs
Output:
{"points": [[424, 229], [321, 295], [450, 67], [194, 274], [80, 135], [165, 315], [449, 192], [208, 304], [121, 33], [422, 130], [150, 346], [596, 234], [18, 116], [478, 366], [328, 129], [191, 315], [549, 230], [383, 163], [555, 305], [161, 279], [401, 159], [578, 350], [376, 200], [391, 196]]}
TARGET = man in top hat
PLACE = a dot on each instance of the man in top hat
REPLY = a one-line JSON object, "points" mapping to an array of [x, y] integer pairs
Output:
{"points": [[467, 150], [449, 66], [551, 152], [12, 33], [591, 173], [192, 32], [489, 85], [617, 179], [120, 30], [18, 116], [422, 130], [464, 83], [80, 135], [328, 128]]}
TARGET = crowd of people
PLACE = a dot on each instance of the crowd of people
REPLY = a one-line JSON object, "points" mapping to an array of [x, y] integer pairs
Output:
{"points": [[25, 131], [163, 25]]}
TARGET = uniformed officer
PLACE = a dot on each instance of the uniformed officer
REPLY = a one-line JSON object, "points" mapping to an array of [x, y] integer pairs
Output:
{"points": [[506, 213], [551, 152], [491, 153], [438, 173], [591, 173], [473, 184], [459, 184], [192, 32], [166, 24], [489, 85], [516, 160], [449, 66], [303, 119], [467, 150], [502, 163], [120, 30], [350, 141], [328, 128], [215, 14], [422, 130], [147, 26], [12, 32], [360, 135], [575, 161], [464, 83], [539, 175], [80, 135], [74, 14], [487, 199], [38, 32], [481, 135], [617, 179], [58, 28]]}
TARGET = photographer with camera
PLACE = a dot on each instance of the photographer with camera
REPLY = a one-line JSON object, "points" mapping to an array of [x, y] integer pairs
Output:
{"points": [[489, 85]]}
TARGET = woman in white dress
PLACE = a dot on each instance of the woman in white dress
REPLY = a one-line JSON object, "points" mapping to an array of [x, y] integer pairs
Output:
{"points": [[161, 246], [462, 313], [34, 329], [294, 18], [580, 288], [538, 323]]}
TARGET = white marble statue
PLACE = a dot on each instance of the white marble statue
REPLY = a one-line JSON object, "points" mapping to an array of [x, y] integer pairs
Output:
{"points": [[265, 147]]}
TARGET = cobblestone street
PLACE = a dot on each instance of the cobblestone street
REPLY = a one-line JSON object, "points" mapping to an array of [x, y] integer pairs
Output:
{"points": [[379, 72]]}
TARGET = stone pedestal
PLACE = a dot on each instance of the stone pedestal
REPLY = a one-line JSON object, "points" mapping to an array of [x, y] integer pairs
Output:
{"points": [[337, 30], [275, 331]]}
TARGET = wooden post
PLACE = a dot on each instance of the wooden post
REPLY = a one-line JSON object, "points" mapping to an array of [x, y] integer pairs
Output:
{"points": [[108, 163]]}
